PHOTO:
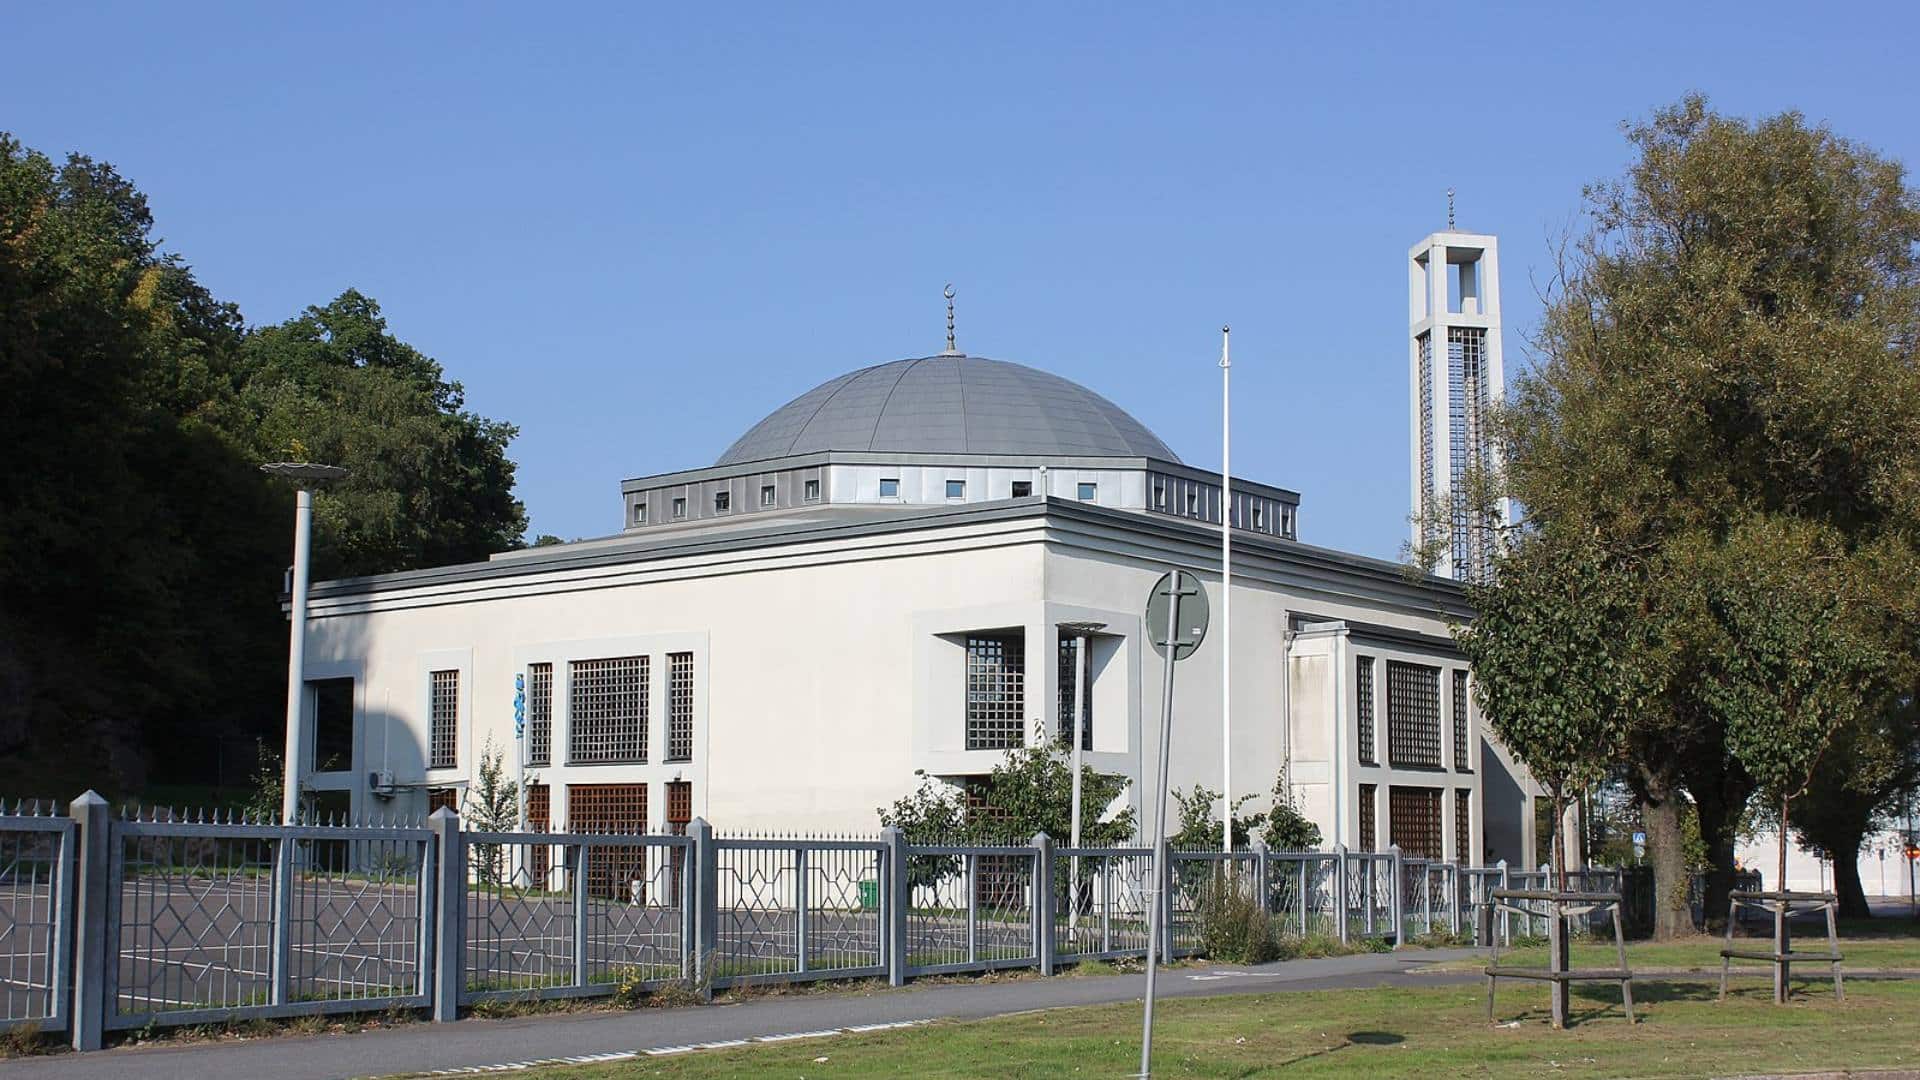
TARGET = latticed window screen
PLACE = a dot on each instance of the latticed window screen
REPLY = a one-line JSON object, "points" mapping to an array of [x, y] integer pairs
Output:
{"points": [[1413, 714], [996, 691], [1463, 852], [539, 819], [680, 706], [1469, 394], [1413, 820], [1460, 716], [539, 714], [1072, 662], [443, 797], [1363, 707], [610, 808], [679, 816], [1368, 835], [444, 715], [607, 710]]}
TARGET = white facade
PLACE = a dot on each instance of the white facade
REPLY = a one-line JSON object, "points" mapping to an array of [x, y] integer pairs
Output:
{"points": [[1456, 375], [795, 655]]}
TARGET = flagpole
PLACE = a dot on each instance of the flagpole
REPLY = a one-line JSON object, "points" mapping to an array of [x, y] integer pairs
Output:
{"points": [[1226, 594]]}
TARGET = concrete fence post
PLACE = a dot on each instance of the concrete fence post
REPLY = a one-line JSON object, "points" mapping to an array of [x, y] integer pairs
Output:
{"points": [[450, 914], [706, 903], [1340, 891], [1260, 893], [1399, 895], [1043, 915], [89, 1013], [894, 897]]}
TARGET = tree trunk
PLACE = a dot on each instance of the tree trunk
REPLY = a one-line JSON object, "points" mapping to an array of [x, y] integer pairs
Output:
{"points": [[1846, 884], [1660, 807], [1559, 843], [1719, 821]]}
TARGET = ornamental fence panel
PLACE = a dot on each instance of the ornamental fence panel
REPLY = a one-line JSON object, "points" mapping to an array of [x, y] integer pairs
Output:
{"points": [[156, 918], [37, 857]]}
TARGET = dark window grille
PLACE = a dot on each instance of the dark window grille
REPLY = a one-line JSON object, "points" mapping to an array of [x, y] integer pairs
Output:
{"points": [[1413, 715], [443, 797], [610, 808], [1363, 707], [680, 706], [444, 710], [539, 819], [1463, 827], [679, 815], [1368, 834], [1073, 664], [607, 710], [1414, 820], [1424, 417], [1471, 541], [1461, 705], [539, 714], [996, 692]]}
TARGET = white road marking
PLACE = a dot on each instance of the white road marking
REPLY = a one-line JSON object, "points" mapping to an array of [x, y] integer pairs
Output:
{"points": [[664, 1051]]}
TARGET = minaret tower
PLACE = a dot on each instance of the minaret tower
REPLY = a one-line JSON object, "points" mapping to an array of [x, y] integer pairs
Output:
{"points": [[1453, 287]]}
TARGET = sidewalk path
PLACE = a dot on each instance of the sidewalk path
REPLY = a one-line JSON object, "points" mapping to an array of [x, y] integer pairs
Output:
{"points": [[424, 1047]]}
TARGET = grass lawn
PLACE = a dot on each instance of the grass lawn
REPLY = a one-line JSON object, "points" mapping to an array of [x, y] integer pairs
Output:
{"points": [[1429, 1032], [1865, 945]]}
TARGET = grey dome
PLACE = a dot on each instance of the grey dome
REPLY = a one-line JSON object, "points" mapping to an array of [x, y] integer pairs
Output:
{"points": [[949, 405]]}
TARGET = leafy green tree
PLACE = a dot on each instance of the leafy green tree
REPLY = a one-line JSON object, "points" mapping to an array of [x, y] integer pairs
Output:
{"points": [[492, 804], [430, 483], [1789, 667], [1285, 827], [1733, 332], [1857, 790], [1197, 831], [1551, 648]]}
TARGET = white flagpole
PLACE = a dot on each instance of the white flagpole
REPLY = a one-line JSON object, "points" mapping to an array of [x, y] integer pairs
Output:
{"points": [[1226, 595]]}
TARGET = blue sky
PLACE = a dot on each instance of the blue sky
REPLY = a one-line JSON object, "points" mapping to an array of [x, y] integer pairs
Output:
{"points": [[635, 229]]}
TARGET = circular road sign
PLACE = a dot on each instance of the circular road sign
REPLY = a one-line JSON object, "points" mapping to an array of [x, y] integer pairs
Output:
{"points": [[1191, 629]]}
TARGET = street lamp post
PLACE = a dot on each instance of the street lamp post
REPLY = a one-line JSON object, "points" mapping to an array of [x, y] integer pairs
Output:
{"points": [[306, 476]]}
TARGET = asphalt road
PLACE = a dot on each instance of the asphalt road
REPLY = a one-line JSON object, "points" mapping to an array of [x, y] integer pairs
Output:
{"points": [[418, 1048]]}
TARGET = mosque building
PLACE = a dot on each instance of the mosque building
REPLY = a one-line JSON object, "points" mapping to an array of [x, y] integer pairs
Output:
{"points": [[909, 569]]}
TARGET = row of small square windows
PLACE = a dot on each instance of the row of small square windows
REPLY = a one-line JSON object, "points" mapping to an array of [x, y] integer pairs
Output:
{"points": [[723, 501], [889, 489], [1259, 523]]}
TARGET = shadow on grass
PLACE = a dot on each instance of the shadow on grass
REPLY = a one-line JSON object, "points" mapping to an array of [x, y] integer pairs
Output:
{"points": [[1354, 1038]]}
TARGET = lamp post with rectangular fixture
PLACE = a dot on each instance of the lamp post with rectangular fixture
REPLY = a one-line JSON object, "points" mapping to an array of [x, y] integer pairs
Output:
{"points": [[306, 476]]}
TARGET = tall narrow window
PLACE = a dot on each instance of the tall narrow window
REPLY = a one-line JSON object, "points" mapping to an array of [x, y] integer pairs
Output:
{"points": [[640, 513], [539, 819], [1259, 516], [680, 706], [679, 509], [332, 724], [996, 691], [1413, 715], [1193, 502], [1463, 852], [722, 501], [812, 490], [607, 710], [1414, 820], [1461, 705], [1075, 672], [1368, 835], [539, 714], [444, 719], [1363, 708], [1159, 494], [767, 495]]}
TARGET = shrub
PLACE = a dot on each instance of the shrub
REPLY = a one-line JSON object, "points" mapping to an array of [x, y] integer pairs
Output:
{"points": [[1233, 927]]}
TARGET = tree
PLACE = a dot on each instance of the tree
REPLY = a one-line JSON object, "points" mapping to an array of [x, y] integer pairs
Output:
{"points": [[1789, 666], [1554, 666], [492, 804], [1857, 790], [1733, 333], [429, 484]]}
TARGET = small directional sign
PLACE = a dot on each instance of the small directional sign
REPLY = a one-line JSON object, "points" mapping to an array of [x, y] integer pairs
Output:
{"points": [[1191, 628]]}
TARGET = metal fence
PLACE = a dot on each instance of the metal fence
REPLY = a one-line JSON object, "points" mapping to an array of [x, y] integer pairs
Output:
{"points": [[110, 923]]}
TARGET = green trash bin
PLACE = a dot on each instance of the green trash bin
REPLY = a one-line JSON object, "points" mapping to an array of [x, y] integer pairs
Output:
{"points": [[869, 895]]}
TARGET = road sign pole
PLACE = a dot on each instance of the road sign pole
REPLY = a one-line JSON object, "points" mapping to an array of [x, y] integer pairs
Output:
{"points": [[1158, 910]]}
